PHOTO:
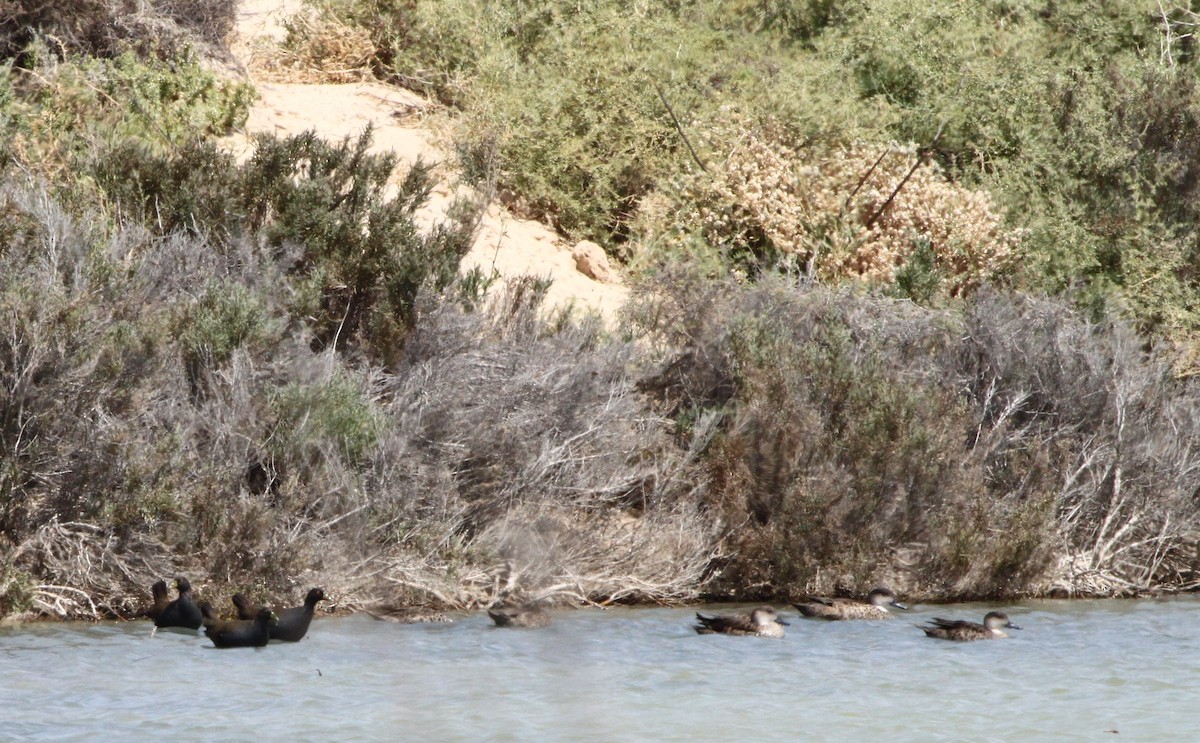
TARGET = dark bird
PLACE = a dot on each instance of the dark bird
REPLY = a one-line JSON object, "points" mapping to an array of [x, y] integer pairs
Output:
{"points": [[293, 623], [520, 616], [245, 609], [761, 622], [875, 607], [961, 630], [241, 633], [161, 597], [183, 611]]}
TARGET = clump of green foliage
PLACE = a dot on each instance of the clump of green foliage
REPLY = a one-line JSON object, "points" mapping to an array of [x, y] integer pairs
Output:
{"points": [[584, 105], [358, 262], [1076, 124], [1080, 121], [56, 115]]}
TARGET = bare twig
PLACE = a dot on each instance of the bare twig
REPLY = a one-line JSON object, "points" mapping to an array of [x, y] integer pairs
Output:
{"points": [[678, 127]]}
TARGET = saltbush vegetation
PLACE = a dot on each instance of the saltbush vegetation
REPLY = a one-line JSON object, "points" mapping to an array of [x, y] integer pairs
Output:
{"points": [[852, 213], [914, 304], [1008, 446]]}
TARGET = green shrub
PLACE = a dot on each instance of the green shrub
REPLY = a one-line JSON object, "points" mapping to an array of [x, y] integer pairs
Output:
{"points": [[1080, 138], [194, 188], [16, 590], [333, 413], [64, 113], [1061, 113], [570, 96], [365, 261], [357, 260], [225, 318]]}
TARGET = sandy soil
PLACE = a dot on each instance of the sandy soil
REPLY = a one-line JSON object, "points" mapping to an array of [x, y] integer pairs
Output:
{"points": [[512, 246]]}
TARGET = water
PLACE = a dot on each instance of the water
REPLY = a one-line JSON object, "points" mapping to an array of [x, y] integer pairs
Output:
{"points": [[1083, 670]]}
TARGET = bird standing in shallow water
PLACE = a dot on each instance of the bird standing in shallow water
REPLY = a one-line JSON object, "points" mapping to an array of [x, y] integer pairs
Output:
{"points": [[761, 622], [182, 612], [960, 630], [875, 607], [161, 598]]}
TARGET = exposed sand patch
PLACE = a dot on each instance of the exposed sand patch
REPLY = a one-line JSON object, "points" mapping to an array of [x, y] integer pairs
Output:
{"points": [[511, 246]]}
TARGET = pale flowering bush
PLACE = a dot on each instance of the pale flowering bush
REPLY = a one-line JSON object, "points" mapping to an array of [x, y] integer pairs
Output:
{"points": [[826, 208]]}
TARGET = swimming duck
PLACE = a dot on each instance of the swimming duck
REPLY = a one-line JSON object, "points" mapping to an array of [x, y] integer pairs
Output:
{"points": [[243, 606], [875, 607], [241, 633], [183, 611], [520, 616], [410, 615], [961, 630], [761, 622], [293, 623]]}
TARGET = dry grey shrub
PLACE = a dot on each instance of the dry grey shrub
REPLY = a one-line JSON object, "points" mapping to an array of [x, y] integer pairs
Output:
{"points": [[319, 48], [824, 207], [841, 446], [85, 570], [558, 467], [271, 468], [113, 475], [1121, 428], [1008, 447], [105, 28]]}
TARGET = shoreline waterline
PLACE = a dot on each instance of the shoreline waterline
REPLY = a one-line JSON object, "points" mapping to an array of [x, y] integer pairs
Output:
{"points": [[1078, 669]]}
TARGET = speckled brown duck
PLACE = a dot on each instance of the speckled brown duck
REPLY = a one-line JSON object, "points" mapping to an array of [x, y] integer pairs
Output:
{"points": [[410, 615], [761, 622], [961, 630], [875, 606], [529, 616]]}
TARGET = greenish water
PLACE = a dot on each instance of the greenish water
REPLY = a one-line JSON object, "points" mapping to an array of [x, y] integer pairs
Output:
{"points": [[1083, 670]]}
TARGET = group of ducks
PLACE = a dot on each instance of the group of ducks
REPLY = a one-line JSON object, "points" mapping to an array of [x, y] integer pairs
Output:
{"points": [[765, 621], [254, 626]]}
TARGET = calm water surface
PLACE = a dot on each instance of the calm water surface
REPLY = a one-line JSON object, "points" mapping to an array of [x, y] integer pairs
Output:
{"points": [[1082, 670]]}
